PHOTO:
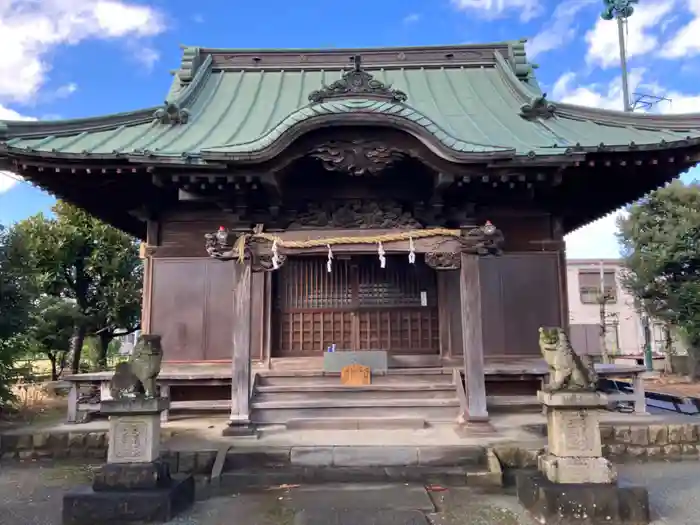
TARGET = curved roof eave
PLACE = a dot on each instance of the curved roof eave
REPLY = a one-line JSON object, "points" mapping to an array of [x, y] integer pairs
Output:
{"points": [[356, 112]]}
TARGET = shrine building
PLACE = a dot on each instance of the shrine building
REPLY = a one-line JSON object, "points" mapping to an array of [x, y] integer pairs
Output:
{"points": [[407, 203]]}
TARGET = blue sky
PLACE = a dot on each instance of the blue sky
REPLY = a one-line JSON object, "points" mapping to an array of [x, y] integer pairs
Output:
{"points": [[76, 58]]}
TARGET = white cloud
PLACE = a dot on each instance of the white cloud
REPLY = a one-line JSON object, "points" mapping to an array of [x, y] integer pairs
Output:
{"points": [[594, 95], [411, 18], [528, 9], [686, 41], [609, 96], [641, 34], [147, 56], [30, 30], [8, 179], [559, 29]]}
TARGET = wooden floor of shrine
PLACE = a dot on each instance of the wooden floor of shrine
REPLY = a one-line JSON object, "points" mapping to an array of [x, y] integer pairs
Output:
{"points": [[184, 371], [511, 367]]}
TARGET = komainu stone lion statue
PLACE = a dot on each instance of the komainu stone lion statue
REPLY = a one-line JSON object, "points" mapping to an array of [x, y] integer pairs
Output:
{"points": [[138, 375], [567, 370]]}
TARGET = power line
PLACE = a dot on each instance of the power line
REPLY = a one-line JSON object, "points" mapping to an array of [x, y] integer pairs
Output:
{"points": [[646, 102]]}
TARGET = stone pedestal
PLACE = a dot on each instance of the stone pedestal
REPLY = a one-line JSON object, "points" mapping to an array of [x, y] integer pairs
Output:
{"points": [[134, 485], [575, 453], [575, 483]]}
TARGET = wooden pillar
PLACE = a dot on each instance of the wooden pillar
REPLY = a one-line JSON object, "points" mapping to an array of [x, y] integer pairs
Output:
{"points": [[147, 290], [239, 420], [473, 338], [146, 255], [558, 235]]}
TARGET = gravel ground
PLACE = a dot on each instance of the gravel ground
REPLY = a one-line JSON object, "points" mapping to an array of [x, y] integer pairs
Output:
{"points": [[30, 494]]}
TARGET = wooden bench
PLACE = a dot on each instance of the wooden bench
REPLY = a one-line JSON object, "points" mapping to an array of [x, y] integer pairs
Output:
{"points": [[633, 372], [529, 367], [81, 404]]}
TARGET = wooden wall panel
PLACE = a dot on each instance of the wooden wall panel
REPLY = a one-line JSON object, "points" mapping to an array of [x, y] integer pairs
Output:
{"points": [[521, 292], [177, 308], [451, 308], [192, 308], [218, 308]]}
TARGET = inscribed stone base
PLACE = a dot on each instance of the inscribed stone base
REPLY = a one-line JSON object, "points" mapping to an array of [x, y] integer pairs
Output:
{"points": [[577, 470], [134, 438], [573, 423], [85, 506], [574, 433], [581, 503], [131, 476]]}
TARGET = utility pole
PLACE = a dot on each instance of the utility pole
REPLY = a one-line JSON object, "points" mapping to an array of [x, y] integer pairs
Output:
{"points": [[602, 299], [621, 10]]}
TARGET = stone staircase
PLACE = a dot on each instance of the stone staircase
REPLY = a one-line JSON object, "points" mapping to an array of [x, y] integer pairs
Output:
{"points": [[400, 398]]}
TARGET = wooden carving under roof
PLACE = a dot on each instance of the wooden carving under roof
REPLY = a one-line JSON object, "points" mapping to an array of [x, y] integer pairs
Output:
{"points": [[357, 157], [355, 213], [357, 82]]}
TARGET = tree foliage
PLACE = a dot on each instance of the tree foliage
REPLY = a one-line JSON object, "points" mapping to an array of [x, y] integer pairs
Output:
{"points": [[661, 246], [15, 304], [51, 330], [75, 256]]}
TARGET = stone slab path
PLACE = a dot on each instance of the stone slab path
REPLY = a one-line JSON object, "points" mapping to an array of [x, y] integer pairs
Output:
{"points": [[30, 494]]}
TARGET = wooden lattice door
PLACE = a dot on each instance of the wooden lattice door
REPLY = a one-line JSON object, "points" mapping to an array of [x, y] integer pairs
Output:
{"points": [[357, 306]]}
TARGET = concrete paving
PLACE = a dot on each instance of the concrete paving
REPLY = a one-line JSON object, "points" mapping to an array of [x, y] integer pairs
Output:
{"points": [[204, 433], [30, 494]]}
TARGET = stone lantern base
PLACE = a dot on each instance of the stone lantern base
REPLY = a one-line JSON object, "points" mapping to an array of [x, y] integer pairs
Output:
{"points": [[575, 484], [134, 486]]}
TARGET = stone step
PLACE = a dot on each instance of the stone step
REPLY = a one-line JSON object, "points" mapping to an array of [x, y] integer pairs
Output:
{"points": [[352, 402], [356, 423], [281, 378], [237, 481], [246, 469], [280, 415], [265, 393], [280, 457]]}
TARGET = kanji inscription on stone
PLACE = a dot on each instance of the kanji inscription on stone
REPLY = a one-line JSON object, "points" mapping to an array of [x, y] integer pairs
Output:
{"points": [[577, 433], [130, 442], [356, 375]]}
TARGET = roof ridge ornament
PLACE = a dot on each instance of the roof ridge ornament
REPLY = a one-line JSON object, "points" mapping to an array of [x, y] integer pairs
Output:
{"points": [[538, 107], [171, 113], [357, 82]]}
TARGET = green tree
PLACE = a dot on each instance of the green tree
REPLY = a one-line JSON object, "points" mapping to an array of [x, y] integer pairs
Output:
{"points": [[50, 330], [15, 304], [76, 256], [661, 246]]}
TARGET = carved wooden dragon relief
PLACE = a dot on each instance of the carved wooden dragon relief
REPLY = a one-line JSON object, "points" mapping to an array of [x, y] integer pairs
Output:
{"points": [[357, 157]]}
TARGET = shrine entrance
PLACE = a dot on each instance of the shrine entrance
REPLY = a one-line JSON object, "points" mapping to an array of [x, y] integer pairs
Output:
{"points": [[356, 306]]}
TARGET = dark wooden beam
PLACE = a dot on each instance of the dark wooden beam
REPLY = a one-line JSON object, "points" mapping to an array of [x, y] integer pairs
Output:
{"points": [[239, 419], [473, 338]]}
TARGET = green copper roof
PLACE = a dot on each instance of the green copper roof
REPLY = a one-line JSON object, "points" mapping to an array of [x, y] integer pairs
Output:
{"points": [[241, 104]]}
